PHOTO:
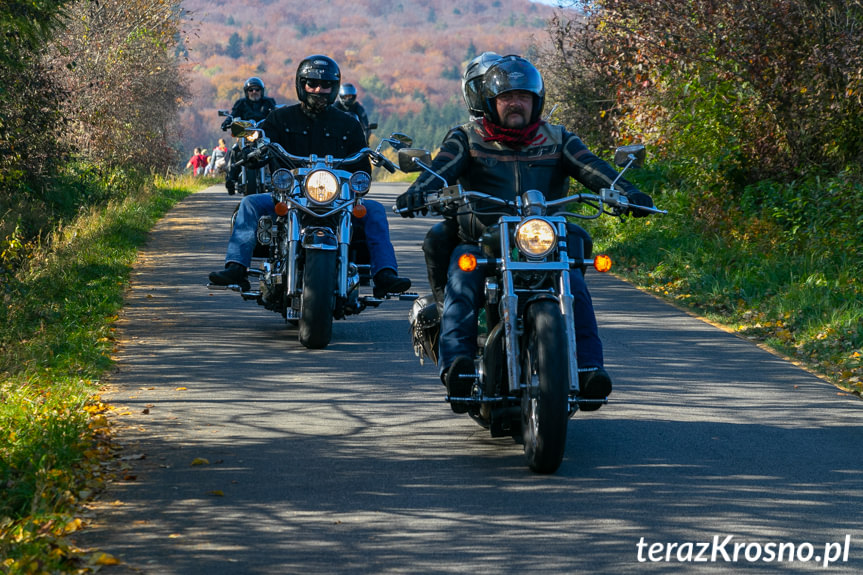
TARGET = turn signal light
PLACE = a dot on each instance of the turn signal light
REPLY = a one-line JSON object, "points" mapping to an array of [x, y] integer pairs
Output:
{"points": [[602, 263], [467, 262], [360, 211], [281, 209]]}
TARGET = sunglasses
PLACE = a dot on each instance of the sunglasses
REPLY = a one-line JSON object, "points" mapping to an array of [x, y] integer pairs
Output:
{"points": [[314, 84], [253, 89]]}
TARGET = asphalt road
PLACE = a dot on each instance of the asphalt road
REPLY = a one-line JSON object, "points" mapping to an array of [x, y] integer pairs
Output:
{"points": [[347, 460]]}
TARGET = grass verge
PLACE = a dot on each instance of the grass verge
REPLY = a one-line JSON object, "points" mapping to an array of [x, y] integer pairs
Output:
{"points": [[56, 338], [780, 266]]}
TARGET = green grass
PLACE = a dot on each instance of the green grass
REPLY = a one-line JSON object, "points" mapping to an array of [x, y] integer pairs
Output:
{"points": [[780, 265], [56, 338]]}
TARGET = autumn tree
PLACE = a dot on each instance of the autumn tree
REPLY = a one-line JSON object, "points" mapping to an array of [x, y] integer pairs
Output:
{"points": [[116, 63], [752, 88]]}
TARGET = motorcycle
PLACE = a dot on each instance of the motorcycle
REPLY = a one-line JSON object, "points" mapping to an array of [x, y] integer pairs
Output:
{"points": [[251, 180], [525, 382], [312, 263]]}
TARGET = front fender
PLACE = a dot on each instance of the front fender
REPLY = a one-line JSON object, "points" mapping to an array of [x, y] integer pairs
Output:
{"points": [[319, 239]]}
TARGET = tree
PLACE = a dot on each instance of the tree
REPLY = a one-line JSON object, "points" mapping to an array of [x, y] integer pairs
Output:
{"points": [[234, 48]]}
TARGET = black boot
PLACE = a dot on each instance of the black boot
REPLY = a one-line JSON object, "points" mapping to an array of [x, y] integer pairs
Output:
{"points": [[457, 385], [386, 282], [594, 384], [233, 274]]}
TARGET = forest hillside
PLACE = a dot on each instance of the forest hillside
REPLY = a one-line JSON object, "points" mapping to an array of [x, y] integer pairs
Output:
{"points": [[404, 56]]}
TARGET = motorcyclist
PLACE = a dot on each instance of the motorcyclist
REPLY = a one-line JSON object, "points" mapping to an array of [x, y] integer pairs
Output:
{"points": [[314, 126], [442, 238], [506, 152], [254, 105], [347, 102]]}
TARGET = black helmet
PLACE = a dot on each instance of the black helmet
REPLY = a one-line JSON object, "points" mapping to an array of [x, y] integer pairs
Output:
{"points": [[347, 95], [321, 68], [471, 81], [509, 74], [254, 81]]}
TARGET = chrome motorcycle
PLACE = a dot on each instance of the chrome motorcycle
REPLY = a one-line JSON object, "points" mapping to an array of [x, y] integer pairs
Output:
{"points": [[311, 262], [525, 382]]}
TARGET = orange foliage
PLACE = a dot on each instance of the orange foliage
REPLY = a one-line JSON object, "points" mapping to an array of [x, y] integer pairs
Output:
{"points": [[390, 49]]}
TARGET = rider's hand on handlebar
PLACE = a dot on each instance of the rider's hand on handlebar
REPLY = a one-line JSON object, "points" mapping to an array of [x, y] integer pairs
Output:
{"points": [[410, 202], [226, 124], [638, 198]]}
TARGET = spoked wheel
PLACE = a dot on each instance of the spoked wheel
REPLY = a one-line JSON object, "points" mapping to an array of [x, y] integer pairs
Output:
{"points": [[316, 308], [545, 370]]}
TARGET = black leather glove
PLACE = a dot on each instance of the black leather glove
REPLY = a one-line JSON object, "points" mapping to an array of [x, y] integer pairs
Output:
{"points": [[638, 198], [411, 202], [226, 124]]}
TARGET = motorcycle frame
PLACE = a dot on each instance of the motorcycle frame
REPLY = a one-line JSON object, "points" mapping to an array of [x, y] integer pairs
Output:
{"points": [[560, 268], [319, 237]]}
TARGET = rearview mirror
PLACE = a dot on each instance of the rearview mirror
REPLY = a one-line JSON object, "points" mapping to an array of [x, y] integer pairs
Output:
{"points": [[241, 128], [635, 153], [407, 156]]}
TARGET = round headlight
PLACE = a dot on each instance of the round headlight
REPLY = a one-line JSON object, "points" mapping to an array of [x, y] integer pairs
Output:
{"points": [[322, 187], [282, 180], [360, 183], [535, 237]]}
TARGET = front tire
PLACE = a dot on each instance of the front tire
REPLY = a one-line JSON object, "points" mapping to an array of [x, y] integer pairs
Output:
{"points": [[318, 299], [545, 370]]}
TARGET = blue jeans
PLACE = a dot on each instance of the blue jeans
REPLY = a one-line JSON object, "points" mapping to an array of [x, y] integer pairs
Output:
{"points": [[465, 294], [243, 239]]}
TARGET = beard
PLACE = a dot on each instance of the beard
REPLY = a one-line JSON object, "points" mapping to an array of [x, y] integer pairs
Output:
{"points": [[514, 118], [316, 103]]}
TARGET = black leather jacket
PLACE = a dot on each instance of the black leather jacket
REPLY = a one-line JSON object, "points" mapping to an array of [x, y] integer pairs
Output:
{"points": [[356, 111], [493, 168], [246, 109], [330, 132]]}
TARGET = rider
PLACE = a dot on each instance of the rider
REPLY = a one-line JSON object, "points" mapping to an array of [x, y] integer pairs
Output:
{"points": [[253, 106], [314, 127], [506, 152], [347, 102], [442, 238]]}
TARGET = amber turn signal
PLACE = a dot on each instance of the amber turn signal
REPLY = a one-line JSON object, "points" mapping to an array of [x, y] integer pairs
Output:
{"points": [[602, 263], [467, 262], [360, 211], [281, 208]]}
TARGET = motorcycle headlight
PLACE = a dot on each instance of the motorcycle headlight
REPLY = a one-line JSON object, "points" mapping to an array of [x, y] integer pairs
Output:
{"points": [[360, 183], [321, 186], [283, 180], [535, 237], [251, 137]]}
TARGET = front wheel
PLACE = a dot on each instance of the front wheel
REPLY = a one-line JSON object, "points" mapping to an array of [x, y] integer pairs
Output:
{"points": [[545, 371], [318, 299]]}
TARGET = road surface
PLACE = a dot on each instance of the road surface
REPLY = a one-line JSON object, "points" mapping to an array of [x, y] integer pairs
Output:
{"points": [[246, 453]]}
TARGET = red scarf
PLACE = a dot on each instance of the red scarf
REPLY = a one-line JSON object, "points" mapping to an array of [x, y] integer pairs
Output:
{"points": [[515, 138]]}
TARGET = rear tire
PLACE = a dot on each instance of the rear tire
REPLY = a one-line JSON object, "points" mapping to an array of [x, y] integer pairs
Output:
{"points": [[318, 299], [545, 371]]}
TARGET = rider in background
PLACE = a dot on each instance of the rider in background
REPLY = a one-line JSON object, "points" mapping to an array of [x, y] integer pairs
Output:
{"points": [[508, 151], [255, 105], [442, 238], [347, 102], [314, 126]]}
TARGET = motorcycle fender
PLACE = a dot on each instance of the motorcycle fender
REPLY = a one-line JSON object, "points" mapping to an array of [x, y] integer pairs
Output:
{"points": [[319, 239]]}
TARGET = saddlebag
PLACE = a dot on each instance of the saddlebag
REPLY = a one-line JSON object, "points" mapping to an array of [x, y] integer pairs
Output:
{"points": [[424, 320]]}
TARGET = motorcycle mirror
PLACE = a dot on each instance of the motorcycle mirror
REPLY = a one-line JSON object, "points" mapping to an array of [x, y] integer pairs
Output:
{"points": [[404, 140], [373, 126], [635, 153], [223, 113], [406, 159], [241, 128]]}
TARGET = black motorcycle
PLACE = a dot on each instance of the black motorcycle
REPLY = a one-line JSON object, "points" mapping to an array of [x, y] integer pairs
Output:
{"points": [[525, 383], [312, 264]]}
